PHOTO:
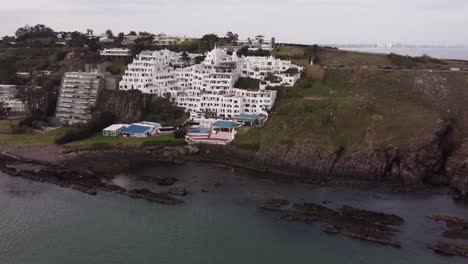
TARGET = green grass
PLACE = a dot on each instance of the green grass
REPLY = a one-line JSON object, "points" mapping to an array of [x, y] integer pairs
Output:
{"points": [[288, 51], [35, 138], [359, 109], [100, 140], [248, 83]]}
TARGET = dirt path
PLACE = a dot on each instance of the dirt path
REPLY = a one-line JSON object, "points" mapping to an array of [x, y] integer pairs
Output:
{"points": [[51, 153]]}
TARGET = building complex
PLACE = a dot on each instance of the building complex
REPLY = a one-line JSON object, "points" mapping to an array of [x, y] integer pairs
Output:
{"points": [[207, 90]]}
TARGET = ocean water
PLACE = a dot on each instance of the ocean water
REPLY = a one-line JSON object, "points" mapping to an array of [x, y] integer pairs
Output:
{"points": [[44, 224], [459, 53]]}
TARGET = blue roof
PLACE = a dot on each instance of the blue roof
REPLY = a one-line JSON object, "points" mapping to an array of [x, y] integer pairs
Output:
{"points": [[135, 129], [251, 116], [224, 124]]}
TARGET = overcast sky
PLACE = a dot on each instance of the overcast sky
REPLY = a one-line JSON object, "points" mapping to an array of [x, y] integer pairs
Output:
{"points": [[301, 21]]}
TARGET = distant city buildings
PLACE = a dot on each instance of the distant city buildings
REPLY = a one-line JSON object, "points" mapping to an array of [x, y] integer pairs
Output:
{"points": [[164, 40], [116, 53], [129, 39], [79, 92], [258, 42]]}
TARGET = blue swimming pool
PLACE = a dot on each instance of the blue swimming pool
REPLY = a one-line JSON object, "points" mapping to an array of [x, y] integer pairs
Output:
{"points": [[199, 130]]}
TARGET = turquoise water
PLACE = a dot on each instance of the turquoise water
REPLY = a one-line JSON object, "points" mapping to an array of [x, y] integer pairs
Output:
{"points": [[45, 224]]}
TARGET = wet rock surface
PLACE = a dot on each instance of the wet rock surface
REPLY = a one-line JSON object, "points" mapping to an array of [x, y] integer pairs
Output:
{"points": [[449, 249], [165, 181], [360, 224], [177, 191], [457, 229], [84, 181], [153, 197]]}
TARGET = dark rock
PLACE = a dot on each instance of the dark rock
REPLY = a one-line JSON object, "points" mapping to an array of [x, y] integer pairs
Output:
{"points": [[375, 217], [457, 227], [153, 197], [356, 223], [84, 189], [448, 249], [274, 204], [178, 191], [164, 180]]}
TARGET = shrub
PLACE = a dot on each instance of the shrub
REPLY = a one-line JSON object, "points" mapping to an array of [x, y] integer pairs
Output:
{"points": [[180, 133], [83, 131]]}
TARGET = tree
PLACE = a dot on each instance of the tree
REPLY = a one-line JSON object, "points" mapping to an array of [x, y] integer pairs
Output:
{"points": [[209, 41], [231, 37], [8, 69], [185, 58], [120, 37], [109, 33], [132, 33], [37, 31]]}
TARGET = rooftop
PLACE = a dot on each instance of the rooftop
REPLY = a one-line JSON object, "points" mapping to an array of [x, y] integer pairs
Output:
{"points": [[115, 127], [228, 124], [251, 116], [136, 129]]}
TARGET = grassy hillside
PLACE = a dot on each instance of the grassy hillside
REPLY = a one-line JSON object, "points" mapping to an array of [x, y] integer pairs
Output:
{"points": [[362, 107]]}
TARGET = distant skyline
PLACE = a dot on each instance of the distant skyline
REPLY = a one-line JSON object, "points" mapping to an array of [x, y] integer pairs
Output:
{"points": [[423, 22]]}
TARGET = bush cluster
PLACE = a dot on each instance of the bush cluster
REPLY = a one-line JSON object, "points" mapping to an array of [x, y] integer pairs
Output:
{"points": [[85, 130]]}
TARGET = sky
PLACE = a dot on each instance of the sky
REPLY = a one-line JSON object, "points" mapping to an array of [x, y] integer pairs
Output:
{"points": [[429, 22]]}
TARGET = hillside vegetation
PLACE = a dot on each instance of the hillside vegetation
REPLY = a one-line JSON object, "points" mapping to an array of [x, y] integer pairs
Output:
{"points": [[361, 107]]}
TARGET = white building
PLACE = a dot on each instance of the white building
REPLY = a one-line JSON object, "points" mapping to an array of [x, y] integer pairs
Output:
{"points": [[115, 53], [105, 38], [152, 72], [79, 92], [8, 99], [164, 40], [114, 130], [14, 106], [207, 90], [129, 39], [258, 42]]}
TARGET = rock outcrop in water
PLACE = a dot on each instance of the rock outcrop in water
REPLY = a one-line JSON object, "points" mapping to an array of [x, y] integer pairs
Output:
{"points": [[84, 181], [457, 228], [355, 223]]}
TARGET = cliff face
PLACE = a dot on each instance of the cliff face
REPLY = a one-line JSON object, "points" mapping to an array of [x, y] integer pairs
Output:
{"points": [[435, 160], [128, 107]]}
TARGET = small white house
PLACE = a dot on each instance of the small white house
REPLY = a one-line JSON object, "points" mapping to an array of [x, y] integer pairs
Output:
{"points": [[114, 130], [143, 129]]}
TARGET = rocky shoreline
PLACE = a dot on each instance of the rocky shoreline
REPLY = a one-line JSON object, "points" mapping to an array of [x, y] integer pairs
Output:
{"points": [[89, 170], [68, 174], [355, 223], [457, 229]]}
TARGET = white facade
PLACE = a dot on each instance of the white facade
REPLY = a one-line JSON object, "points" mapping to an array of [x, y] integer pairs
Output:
{"points": [[207, 90], [164, 40], [7, 98], [152, 72], [258, 42], [78, 95], [105, 38], [115, 53]]}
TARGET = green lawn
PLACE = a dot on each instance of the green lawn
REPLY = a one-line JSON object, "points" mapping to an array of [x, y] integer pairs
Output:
{"points": [[49, 137], [35, 138], [99, 139]]}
